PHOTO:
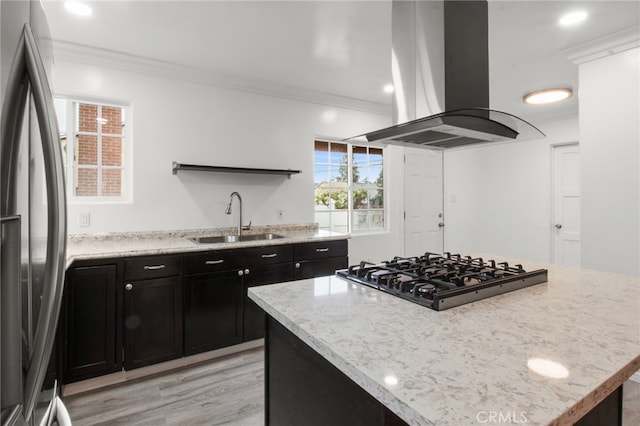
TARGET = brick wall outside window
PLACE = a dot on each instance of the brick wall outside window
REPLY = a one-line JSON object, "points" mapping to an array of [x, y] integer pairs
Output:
{"points": [[99, 150]]}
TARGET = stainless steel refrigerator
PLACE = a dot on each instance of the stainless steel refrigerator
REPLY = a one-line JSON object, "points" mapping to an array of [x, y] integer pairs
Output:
{"points": [[33, 214]]}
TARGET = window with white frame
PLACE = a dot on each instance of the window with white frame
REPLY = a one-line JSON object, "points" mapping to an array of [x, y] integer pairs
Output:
{"points": [[349, 187], [95, 141]]}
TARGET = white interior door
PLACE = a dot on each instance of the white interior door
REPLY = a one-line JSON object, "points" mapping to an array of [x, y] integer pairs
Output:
{"points": [[566, 205], [423, 203]]}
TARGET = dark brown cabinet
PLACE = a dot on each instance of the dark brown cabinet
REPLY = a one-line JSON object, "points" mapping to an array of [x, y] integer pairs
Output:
{"points": [[90, 323], [318, 259], [131, 312], [213, 306], [267, 265], [152, 310], [218, 312]]}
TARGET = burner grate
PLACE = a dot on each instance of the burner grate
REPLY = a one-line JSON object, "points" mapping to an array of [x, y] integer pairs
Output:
{"points": [[443, 281]]}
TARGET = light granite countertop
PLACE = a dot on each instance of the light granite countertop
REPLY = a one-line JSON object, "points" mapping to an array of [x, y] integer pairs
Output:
{"points": [[102, 246], [580, 331]]}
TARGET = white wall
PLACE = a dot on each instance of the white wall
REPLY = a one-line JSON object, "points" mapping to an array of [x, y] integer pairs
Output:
{"points": [[498, 197], [178, 120], [610, 140]]}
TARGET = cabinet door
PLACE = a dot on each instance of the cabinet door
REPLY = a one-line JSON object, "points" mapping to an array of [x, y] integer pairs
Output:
{"points": [[213, 311], [90, 347], [319, 268], [319, 258], [253, 315], [153, 321]]}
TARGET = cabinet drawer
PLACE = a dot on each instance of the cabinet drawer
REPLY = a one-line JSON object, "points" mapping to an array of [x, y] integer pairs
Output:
{"points": [[319, 268], [142, 268], [268, 255], [213, 261], [320, 249]]}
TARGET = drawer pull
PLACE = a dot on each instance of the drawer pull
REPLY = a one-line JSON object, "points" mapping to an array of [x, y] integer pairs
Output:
{"points": [[268, 256], [154, 267], [128, 287], [214, 262], [322, 250]]}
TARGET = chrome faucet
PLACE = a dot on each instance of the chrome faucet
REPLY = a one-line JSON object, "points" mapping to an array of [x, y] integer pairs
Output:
{"points": [[228, 211]]}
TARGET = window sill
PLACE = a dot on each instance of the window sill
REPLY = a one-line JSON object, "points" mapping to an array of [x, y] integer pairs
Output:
{"points": [[100, 201]]}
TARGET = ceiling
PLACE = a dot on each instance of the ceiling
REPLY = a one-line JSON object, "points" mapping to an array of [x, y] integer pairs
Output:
{"points": [[339, 47]]}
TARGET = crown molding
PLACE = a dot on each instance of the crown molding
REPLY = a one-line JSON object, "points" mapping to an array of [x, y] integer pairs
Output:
{"points": [[604, 46], [88, 55]]}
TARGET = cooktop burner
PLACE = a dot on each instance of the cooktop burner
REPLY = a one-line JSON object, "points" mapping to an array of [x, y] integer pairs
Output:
{"points": [[443, 281]]}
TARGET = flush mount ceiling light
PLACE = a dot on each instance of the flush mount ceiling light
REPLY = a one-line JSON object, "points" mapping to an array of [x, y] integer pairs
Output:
{"points": [[572, 18], [547, 96], [78, 8]]}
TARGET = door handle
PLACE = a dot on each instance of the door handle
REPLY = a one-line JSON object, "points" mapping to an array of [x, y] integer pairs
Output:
{"points": [[441, 225], [558, 226], [29, 62]]}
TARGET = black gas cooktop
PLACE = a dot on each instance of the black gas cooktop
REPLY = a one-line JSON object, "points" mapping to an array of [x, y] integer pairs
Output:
{"points": [[443, 281]]}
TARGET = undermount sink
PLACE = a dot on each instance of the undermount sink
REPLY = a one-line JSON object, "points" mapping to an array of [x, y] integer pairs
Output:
{"points": [[235, 238]]}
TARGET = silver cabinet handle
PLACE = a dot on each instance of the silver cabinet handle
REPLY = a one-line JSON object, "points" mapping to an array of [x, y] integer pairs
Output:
{"points": [[29, 62], [246, 271], [154, 267], [214, 262], [322, 250], [240, 273], [268, 256], [128, 287], [297, 265], [558, 226]]}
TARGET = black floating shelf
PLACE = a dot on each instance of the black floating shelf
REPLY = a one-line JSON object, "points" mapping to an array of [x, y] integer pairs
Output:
{"points": [[224, 169]]}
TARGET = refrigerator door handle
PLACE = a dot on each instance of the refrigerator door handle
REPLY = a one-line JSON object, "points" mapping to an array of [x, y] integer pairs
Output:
{"points": [[56, 218], [56, 412]]}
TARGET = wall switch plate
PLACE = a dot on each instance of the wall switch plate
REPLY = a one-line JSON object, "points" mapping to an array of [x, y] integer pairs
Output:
{"points": [[280, 214], [84, 220]]}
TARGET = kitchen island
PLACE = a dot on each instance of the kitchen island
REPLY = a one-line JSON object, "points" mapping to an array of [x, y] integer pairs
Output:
{"points": [[547, 354]]}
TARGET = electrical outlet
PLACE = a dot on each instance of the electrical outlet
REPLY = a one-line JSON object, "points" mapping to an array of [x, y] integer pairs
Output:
{"points": [[84, 220], [280, 214]]}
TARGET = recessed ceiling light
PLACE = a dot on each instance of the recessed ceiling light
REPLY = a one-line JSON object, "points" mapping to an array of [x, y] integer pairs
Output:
{"points": [[572, 18], [78, 8], [388, 88], [547, 96]]}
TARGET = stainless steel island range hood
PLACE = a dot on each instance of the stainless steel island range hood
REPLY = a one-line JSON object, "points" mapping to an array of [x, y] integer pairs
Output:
{"points": [[440, 69]]}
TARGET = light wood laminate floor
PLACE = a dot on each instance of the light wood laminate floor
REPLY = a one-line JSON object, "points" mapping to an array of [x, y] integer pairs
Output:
{"points": [[227, 390]]}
